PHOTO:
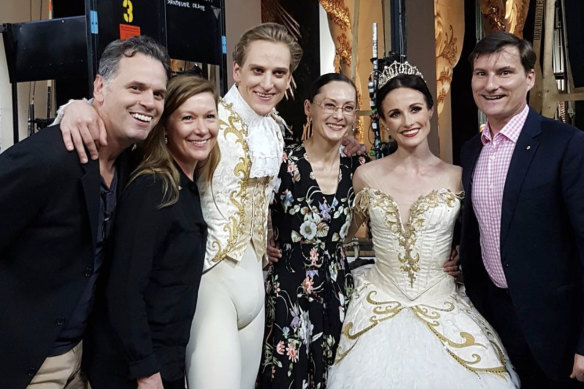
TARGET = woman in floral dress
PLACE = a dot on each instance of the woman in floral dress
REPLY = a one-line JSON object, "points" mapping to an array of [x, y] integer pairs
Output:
{"points": [[308, 288]]}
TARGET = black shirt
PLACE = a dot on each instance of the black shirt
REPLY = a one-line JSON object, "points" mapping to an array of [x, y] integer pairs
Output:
{"points": [[75, 328], [151, 292]]}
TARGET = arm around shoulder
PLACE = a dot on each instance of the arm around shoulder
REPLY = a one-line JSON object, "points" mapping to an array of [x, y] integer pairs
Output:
{"points": [[81, 128]]}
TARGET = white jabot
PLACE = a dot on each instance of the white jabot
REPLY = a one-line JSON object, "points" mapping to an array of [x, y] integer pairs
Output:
{"points": [[261, 139]]}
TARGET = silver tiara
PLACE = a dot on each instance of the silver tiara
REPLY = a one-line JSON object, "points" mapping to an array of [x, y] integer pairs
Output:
{"points": [[397, 69]]}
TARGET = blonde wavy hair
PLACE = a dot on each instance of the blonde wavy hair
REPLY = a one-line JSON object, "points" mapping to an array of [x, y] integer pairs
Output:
{"points": [[271, 32], [156, 157]]}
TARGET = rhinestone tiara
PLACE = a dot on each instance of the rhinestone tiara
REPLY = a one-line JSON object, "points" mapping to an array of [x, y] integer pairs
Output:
{"points": [[397, 69]]}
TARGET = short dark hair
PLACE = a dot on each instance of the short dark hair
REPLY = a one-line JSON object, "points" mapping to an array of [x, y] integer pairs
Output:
{"points": [[115, 50], [404, 81], [497, 41], [326, 79]]}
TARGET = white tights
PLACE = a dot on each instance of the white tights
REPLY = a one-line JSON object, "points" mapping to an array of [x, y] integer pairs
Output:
{"points": [[225, 347]]}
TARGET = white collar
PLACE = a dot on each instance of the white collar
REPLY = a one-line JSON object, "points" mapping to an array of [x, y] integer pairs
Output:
{"points": [[262, 136]]}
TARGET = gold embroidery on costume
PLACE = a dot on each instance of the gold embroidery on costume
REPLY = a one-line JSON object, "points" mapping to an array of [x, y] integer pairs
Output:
{"points": [[242, 169], [391, 309], [361, 203], [501, 371], [259, 200], [408, 232], [440, 309], [409, 262], [430, 316], [382, 310]]}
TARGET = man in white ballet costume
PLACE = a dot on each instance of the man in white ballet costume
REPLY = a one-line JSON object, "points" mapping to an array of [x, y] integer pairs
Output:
{"points": [[226, 336]]}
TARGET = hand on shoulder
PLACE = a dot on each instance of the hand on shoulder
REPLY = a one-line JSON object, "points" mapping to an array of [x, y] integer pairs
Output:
{"points": [[82, 128]]}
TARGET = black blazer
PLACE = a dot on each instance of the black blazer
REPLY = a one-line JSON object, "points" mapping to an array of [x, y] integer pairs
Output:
{"points": [[49, 204], [542, 239]]}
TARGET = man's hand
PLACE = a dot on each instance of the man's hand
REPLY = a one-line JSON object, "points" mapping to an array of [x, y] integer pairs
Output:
{"points": [[152, 382], [82, 127], [451, 267], [578, 369], [352, 147], [274, 253]]}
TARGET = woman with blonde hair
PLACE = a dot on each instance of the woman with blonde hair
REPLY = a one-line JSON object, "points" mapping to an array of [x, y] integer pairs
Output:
{"points": [[140, 331]]}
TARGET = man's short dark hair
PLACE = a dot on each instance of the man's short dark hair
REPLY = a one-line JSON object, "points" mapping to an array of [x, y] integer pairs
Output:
{"points": [[497, 41], [116, 50]]}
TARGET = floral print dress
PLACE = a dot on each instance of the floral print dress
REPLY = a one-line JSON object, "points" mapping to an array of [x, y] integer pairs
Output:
{"points": [[308, 289]]}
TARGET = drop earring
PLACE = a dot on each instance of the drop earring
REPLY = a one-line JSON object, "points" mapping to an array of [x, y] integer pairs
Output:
{"points": [[307, 128]]}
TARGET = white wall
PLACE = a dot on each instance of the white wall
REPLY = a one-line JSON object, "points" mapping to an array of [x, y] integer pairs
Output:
{"points": [[327, 45], [240, 15]]}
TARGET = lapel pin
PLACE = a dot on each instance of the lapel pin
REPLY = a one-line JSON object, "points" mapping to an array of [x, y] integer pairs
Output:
{"points": [[528, 147]]}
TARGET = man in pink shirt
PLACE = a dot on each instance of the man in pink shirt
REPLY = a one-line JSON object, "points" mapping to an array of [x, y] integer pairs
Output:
{"points": [[522, 244]]}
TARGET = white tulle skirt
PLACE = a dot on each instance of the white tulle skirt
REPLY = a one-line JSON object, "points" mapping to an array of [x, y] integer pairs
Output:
{"points": [[446, 344]]}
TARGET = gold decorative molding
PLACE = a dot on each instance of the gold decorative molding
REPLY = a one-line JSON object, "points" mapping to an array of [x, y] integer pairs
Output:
{"points": [[515, 15], [448, 32], [338, 13], [493, 15], [504, 15]]}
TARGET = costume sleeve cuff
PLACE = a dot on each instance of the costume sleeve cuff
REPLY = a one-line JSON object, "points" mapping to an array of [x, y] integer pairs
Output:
{"points": [[61, 110]]}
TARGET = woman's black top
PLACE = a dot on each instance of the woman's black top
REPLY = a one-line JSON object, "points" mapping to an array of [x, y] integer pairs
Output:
{"points": [[151, 289]]}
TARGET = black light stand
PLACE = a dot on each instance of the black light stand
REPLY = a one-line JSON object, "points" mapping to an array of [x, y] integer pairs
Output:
{"points": [[398, 53]]}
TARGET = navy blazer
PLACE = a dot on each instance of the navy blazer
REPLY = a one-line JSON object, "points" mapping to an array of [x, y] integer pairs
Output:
{"points": [[49, 204], [542, 239]]}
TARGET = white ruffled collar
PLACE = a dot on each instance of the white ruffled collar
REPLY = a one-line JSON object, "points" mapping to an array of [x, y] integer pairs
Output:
{"points": [[262, 136]]}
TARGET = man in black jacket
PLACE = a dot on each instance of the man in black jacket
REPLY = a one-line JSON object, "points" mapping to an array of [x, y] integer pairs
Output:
{"points": [[56, 216]]}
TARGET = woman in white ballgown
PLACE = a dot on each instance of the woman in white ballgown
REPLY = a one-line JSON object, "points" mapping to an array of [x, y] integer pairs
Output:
{"points": [[408, 324]]}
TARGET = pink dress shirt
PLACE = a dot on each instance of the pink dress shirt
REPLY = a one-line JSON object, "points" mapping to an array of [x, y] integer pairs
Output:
{"points": [[487, 191]]}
